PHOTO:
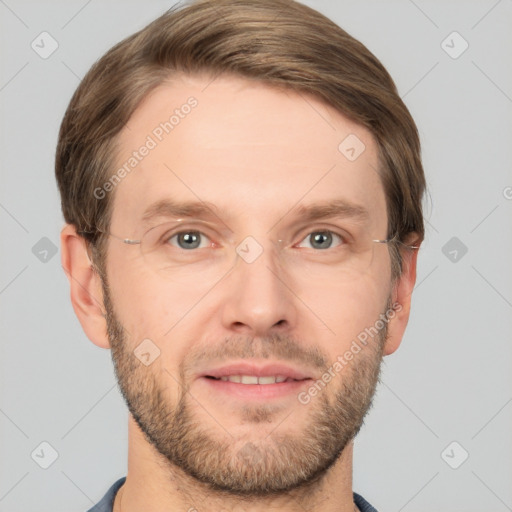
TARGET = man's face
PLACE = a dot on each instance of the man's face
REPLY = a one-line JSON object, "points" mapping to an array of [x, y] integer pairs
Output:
{"points": [[288, 301]]}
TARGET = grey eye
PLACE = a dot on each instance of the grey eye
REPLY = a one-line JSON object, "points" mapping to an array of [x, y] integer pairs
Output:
{"points": [[321, 239], [188, 239]]}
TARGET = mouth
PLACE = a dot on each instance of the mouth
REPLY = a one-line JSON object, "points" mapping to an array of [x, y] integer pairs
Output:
{"points": [[253, 382], [254, 379]]}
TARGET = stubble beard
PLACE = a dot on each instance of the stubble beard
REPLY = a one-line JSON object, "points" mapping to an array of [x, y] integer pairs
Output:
{"points": [[275, 464]]}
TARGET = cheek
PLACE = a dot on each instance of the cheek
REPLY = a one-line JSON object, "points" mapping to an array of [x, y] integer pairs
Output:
{"points": [[134, 292], [150, 307], [344, 311]]}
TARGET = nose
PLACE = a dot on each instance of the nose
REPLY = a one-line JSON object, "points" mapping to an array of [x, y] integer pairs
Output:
{"points": [[258, 296]]}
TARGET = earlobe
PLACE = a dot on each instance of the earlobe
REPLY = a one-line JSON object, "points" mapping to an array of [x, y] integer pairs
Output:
{"points": [[85, 286], [401, 300]]}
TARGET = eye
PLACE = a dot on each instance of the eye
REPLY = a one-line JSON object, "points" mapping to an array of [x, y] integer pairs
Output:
{"points": [[322, 239], [189, 240]]}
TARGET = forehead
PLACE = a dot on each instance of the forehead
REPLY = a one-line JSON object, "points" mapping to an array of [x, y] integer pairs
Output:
{"points": [[252, 150]]}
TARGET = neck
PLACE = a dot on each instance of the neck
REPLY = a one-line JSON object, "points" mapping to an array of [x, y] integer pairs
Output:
{"points": [[154, 485]]}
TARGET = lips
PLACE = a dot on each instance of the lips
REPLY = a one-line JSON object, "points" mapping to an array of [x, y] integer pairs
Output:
{"points": [[246, 373], [246, 382], [253, 379]]}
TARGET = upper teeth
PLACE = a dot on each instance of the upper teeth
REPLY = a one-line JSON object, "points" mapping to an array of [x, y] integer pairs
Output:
{"points": [[253, 379]]}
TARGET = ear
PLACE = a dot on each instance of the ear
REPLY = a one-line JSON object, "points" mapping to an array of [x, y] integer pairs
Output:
{"points": [[401, 295], [85, 286]]}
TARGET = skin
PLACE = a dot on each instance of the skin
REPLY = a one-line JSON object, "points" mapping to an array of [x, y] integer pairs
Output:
{"points": [[272, 150]]}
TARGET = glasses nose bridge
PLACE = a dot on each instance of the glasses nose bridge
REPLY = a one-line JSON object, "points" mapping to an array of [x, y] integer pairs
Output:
{"points": [[257, 248]]}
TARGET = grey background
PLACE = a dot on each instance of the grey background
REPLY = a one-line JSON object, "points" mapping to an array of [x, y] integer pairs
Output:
{"points": [[450, 380]]}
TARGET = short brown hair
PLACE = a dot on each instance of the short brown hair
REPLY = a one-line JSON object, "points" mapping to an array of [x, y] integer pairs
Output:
{"points": [[278, 42]]}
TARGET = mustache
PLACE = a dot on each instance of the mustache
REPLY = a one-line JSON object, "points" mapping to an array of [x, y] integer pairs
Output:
{"points": [[276, 346]]}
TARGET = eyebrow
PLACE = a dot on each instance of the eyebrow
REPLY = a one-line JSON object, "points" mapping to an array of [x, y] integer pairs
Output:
{"points": [[334, 208], [171, 208], [339, 208]]}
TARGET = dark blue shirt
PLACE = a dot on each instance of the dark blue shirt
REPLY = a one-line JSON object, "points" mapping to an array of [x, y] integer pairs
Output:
{"points": [[107, 502]]}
